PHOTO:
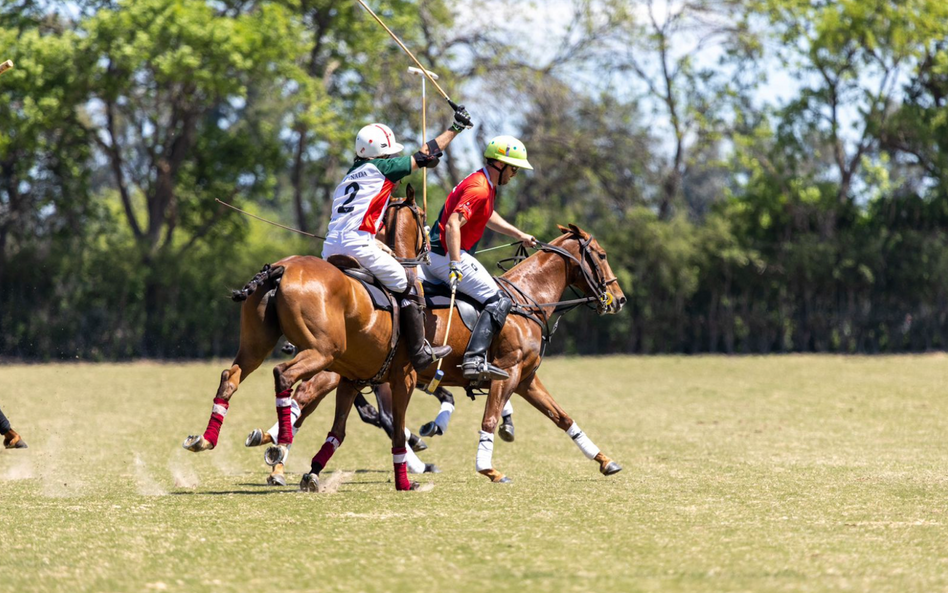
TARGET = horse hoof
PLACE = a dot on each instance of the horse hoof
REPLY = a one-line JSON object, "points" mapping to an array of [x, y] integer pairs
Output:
{"points": [[611, 468], [254, 439], [414, 486], [196, 443], [419, 445], [430, 430], [506, 430], [275, 455], [309, 483], [276, 480], [431, 468]]}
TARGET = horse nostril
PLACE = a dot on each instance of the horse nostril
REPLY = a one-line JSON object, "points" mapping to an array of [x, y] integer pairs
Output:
{"points": [[621, 301]]}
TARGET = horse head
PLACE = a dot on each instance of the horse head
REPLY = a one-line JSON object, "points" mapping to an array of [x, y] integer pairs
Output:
{"points": [[404, 227], [590, 271]]}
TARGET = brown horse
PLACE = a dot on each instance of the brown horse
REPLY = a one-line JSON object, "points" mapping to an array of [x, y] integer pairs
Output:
{"points": [[332, 321], [536, 285]]}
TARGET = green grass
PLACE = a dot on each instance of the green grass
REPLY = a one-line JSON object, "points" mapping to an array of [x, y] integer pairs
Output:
{"points": [[795, 473]]}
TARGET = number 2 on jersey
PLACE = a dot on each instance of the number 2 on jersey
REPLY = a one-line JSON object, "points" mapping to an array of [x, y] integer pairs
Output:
{"points": [[351, 190]]}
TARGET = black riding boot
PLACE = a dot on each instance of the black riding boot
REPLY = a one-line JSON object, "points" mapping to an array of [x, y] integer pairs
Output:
{"points": [[476, 366], [413, 327]]}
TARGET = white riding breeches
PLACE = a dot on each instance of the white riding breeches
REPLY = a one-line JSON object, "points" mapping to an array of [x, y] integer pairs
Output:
{"points": [[476, 281], [366, 252]]}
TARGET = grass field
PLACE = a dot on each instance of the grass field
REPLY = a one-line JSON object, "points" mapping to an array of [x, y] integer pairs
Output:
{"points": [[793, 473]]}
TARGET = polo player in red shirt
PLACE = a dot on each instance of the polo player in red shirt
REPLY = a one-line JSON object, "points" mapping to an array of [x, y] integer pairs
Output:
{"points": [[468, 210]]}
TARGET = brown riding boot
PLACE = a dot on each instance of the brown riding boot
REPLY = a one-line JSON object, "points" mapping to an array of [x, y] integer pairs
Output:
{"points": [[12, 440]]}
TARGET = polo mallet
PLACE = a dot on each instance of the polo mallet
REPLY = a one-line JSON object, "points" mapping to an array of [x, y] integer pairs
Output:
{"points": [[427, 74], [424, 129], [432, 385], [8, 65]]}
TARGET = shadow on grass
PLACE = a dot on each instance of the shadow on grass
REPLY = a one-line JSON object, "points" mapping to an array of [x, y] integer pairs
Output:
{"points": [[273, 490]]}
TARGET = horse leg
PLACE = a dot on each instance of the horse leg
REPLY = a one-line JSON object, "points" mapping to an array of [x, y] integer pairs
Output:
{"points": [[244, 364], [535, 393], [306, 399], [506, 430], [402, 382], [499, 393], [259, 332], [383, 397], [439, 425], [345, 396], [306, 364]]}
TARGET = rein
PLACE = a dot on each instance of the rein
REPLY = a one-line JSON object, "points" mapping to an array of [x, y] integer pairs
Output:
{"points": [[422, 246], [528, 307]]}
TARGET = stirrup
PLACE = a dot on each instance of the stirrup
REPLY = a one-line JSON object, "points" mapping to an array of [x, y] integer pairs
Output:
{"points": [[432, 354], [482, 371]]}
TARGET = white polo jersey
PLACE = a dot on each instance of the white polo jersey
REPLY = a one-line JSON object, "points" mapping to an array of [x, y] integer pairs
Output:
{"points": [[361, 199]]}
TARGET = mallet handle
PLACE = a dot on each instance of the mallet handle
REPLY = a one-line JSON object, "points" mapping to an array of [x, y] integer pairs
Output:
{"points": [[8, 65], [410, 55]]}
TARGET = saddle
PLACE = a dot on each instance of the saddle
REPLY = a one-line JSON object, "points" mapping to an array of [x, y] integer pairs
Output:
{"points": [[438, 296], [382, 298]]}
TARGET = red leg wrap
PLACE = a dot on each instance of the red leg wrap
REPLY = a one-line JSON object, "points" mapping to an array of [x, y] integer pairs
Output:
{"points": [[401, 468], [329, 447], [217, 419], [284, 419]]}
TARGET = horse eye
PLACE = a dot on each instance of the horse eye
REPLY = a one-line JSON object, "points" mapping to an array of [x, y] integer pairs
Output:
{"points": [[602, 256]]}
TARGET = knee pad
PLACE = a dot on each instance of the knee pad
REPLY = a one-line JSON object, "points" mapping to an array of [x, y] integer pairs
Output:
{"points": [[498, 306]]}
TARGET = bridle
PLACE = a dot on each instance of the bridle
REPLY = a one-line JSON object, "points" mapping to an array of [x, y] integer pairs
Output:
{"points": [[527, 306], [422, 245], [595, 279]]}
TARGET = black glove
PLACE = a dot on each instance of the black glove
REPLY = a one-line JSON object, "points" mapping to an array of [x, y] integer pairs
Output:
{"points": [[431, 159], [462, 120]]}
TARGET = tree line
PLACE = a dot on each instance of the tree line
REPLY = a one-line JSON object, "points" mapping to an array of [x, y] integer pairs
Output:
{"points": [[766, 175]]}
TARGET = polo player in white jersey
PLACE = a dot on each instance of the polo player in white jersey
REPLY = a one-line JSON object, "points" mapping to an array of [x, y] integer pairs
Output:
{"points": [[358, 206]]}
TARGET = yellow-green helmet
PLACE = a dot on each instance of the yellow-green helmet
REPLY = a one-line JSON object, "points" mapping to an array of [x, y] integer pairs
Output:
{"points": [[508, 149]]}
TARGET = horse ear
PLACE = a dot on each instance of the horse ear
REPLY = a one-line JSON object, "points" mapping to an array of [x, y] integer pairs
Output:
{"points": [[579, 232], [410, 194], [563, 229]]}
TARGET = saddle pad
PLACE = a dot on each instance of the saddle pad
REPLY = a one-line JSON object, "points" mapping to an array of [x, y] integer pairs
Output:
{"points": [[379, 299], [438, 296]]}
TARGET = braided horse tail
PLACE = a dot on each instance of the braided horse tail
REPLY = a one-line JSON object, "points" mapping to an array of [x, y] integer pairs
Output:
{"points": [[268, 278]]}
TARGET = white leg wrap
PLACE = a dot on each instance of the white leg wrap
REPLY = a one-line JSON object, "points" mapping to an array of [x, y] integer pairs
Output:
{"points": [[294, 415], [485, 451], [444, 416], [400, 458], [275, 431], [508, 409], [415, 465], [589, 449]]}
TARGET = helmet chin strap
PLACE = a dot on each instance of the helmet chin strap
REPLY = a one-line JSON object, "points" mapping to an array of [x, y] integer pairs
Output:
{"points": [[500, 171]]}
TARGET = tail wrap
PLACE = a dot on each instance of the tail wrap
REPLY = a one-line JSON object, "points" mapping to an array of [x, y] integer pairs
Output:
{"points": [[269, 277]]}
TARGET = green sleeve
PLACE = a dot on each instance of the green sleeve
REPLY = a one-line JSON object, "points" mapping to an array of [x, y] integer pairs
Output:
{"points": [[394, 168]]}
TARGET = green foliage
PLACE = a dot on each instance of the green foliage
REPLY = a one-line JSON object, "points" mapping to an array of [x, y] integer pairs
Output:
{"points": [[733, 223]]}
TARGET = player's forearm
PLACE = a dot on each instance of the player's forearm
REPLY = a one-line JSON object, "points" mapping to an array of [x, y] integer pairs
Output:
{"points": [[498, 224], [452, 237]]}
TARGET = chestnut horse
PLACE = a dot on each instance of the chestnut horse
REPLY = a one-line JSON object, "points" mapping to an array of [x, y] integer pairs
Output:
{"points": [[331, 319], [535, 285]]}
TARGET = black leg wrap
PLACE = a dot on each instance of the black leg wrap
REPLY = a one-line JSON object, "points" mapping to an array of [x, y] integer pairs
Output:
{"points": [[367, 412]]}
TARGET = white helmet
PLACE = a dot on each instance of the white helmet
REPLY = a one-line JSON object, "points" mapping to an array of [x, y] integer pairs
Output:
{"points": [[375, 140]]}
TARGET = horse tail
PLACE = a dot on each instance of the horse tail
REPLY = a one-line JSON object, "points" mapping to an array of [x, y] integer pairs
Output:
{"points": [[268, 278]]}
